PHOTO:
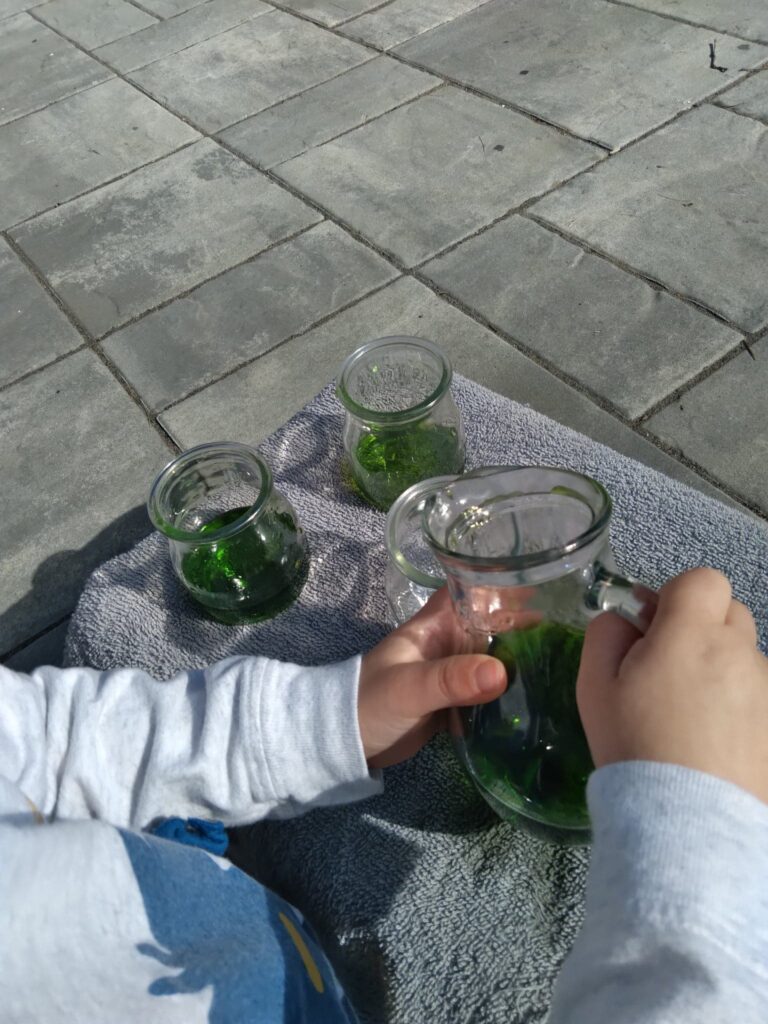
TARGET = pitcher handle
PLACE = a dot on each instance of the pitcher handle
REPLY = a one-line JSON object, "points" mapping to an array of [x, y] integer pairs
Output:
{"points": [[609, 592]]}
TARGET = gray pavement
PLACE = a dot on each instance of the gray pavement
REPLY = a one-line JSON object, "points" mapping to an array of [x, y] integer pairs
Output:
{"points": [[206, 206]]}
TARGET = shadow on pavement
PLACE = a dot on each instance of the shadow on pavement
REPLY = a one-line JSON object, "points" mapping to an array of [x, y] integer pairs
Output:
{"points": [[59, 580]]}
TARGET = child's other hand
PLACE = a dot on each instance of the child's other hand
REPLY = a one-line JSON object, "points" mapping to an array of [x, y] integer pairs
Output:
{"points": [[693, 691], [410, 679]]}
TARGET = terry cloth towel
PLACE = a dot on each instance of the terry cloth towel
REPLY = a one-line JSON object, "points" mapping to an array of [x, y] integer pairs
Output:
{"points": [[431, 909]]}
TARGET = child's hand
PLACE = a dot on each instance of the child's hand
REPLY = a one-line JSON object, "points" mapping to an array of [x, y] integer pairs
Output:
{"points": [[693, 691], [410, 679]]}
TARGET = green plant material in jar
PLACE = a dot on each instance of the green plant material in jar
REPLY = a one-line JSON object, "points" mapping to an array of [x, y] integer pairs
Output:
{"points": [[252, 576], [387, 461], [528, 748]]}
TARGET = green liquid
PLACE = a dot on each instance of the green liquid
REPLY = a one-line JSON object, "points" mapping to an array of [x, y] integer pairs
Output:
{"points": [[251, 576], [388, 461], [528, 749]]}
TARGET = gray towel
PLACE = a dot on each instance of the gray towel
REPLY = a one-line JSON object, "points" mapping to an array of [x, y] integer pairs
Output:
{"points": [[431, 909]]}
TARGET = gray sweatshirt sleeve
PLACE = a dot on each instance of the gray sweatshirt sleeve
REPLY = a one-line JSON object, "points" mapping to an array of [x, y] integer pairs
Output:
{"points": [[243, 739], [676, 926]]}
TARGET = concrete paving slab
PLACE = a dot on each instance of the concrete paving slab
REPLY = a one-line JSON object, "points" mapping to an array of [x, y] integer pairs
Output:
{"points": [[605, 72], [256, 400], [9, 7], [721, 425], [170, 8], [327, 110], [434, 171], [248, 68], [35, 331], [167, 37], [627, 342], [138, 242], [93, 23], [37, 67], [688, 206], [330, 12], [749, 98], [47, 649], [75, 479], [741, 17], [404, 19], [244, 313], [77, 143]]}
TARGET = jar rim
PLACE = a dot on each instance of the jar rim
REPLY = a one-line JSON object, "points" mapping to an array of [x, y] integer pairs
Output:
{"points": [[530, 560], [182, 463], [399, 415]]}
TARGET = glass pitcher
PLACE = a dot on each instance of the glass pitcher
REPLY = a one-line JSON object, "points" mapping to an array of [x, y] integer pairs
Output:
{"points": [[413, 573], [527, 558], [401, 422], [235, 542]]}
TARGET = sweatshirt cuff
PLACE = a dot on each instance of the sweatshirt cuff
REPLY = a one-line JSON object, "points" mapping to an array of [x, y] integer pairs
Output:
{"points": [[677, 845], [307, 736]]}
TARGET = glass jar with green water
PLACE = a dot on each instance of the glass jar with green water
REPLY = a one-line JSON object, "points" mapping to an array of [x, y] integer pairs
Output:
{"points": [[401, 423], [235, 542], [526, 554]]}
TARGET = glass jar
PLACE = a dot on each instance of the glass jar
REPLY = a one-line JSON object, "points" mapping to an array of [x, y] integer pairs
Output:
{"points": [[527, 559], [235, 542], [401, 423]]}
